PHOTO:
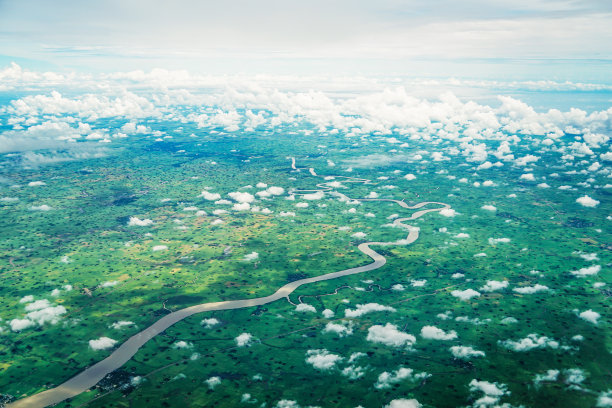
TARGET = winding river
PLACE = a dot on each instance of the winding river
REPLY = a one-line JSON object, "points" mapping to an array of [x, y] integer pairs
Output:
{"points": [[92, 375]]}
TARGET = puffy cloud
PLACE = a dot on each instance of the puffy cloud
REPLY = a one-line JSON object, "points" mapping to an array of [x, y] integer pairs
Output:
{"points": [[493, 285], [410, 176], [432, 332], [590, 316], [529, 290], [242, 197], [551, 375], [360, 310], [102, 343], [527, 176], [532, 341], [210, 322], [447, 212], [322, 359], [212, 382], [20, 324], [305, 307], [492, 392], [241, 207], [466, 294], [26, 299], [251, 257], [353, 372], [37, 305], [340, 329], [210, 196], [493, 241], [244, 339], [604, 399], [43, 207], [275, 190], [489, 207], [327, 313], [587, 201], [157, 248], [121, 324], [466, 352], [386, 379], [390, 336], [403, 403], [137, 222], [108, 284], [589, 270]]}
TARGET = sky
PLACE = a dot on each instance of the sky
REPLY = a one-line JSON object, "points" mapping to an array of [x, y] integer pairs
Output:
{"points": [[516, 39]]}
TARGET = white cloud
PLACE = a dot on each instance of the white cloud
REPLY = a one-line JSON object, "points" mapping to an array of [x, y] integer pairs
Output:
{"points": [[121, 324], [102, 343], [340, 329], [242, 197], [360, 310], [322, 359], [210, 196], [212, 382], [410, 176], [529, 290], [590, 316], [551, 375], [466, 294], [137, 222], [489, 207], [251, 257], [432, 332], [403, 403], [108, 284], [43, 207], [589, 270], [157, 248], [210, 322], [386, 379], [604, 399], [305, 307], [466, 352], [492, 392], [20, 324], [26, 299], [587, 201], [493, 285], [493, 241], [530, 342], [447, 212], [390, 336], [244, 339], [527, 176]]}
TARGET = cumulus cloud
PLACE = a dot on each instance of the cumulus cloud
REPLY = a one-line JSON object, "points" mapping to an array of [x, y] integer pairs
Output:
{"points": [[386, 380], [251, 257], [102, 343], [588, 271], [493, 285], [447, 212], [242, 197], [529, 290], [322, 359], [466, 352], [493, 241], [590, 316], [157, 248], [390, 335], [244, 339], [489, 207], [432, 332], [403, 403], [360, 310], [305, 307], [20, 324], [587, 201], [532, 341], [212, 382], [210, 322], [492, 392], [137, 222], [466, 294], [341, 330]]}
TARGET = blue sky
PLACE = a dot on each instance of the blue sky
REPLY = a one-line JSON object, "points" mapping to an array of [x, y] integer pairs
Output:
{"points": [[518, 39]]}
